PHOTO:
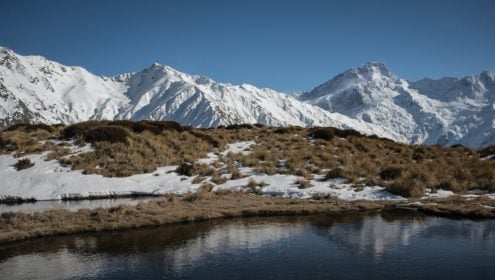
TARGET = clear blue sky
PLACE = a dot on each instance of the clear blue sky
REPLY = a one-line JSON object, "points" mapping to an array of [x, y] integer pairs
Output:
{"points": [[286, 45]]}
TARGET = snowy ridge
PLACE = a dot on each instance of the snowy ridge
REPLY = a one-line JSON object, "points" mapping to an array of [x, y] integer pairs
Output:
{"points": [[34, 89], [369, 99], [446, 111]]}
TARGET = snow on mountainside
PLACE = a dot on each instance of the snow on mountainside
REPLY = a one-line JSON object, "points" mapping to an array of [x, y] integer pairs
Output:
{"points": [[446, 111], [34, 89], [369, 99]]}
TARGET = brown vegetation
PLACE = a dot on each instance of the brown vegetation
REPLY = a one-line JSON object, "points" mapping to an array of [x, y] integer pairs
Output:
{"points": [[197, 206], [204, 204], [457, 206], [23, 164], [123, 148]]}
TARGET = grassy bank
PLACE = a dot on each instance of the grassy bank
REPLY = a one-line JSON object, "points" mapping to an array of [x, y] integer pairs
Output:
{"points": [[197, 206], [204, 205]]}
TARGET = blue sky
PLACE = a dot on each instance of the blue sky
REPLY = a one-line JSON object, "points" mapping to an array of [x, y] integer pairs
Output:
{"points": [[286, 45]]}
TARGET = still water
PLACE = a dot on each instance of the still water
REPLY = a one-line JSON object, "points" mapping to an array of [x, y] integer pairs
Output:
{"points": [[390, 245]]}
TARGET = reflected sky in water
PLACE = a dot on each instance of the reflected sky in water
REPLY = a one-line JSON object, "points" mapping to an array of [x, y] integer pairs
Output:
{"points": [[381, 246]]}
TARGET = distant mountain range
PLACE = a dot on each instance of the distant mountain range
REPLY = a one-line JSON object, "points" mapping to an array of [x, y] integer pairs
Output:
{"points": [[369, 99]]}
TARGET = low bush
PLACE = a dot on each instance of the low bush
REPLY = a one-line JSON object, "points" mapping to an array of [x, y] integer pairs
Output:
{"points": [[78, 129], [161, 125], [107, 133], [239, 126], [344, 133], [303, 183], [185, 168], [336, 173], [255, 186], [390, 173], [323, 133], [217, 178], [23, 164], [26, 127], [234, 172], [189, 169], [406, 188]]}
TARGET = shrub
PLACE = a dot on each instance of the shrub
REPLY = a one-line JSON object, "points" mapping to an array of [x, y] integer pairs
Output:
{"points": [[344, 133], [336, 173], [390, 173], [235, 172], [217, 178], [78, 129], [26, 127], [406, 188], [254, 186], [162, 125], [23, 164], [185, 168], [239, 126], [107, 133], [323, 133], [287, 130], [303, 184]]}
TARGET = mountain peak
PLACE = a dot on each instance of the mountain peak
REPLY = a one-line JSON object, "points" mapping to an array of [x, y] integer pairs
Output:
{"points": [[6, 51], [374, 67]]}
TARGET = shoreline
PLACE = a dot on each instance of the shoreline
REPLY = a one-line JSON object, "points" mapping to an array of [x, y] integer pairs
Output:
{"points": [[204, 205]]}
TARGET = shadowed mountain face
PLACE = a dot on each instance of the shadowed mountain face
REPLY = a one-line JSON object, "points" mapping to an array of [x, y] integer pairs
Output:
{"points": [[369, 99]]}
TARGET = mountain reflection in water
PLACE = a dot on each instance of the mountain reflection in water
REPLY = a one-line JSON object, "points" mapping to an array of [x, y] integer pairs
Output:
{"points": [[314, 246]]}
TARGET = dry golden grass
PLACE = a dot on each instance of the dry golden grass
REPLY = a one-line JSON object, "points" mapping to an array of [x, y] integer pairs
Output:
{"points": [[457, 206], [204, 204], [201, 205], [403, 169]]}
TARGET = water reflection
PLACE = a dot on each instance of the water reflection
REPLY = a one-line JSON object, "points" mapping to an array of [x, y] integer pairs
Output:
{"points": [[226, 248], [373, 235]]}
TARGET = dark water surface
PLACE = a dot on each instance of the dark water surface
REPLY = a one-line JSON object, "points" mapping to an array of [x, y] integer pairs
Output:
{"points": [[390, 245]]}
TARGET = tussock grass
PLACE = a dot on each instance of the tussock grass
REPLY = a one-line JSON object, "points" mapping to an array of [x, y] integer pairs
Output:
{"points": [[107, 133], [303, 184], [140, 147], [201, 205], [23, 164], [254, 186]]}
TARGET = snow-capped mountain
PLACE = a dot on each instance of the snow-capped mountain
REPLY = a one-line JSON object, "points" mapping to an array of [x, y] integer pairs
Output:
{"points": [[34, 89], [369, 99], [446, 111]]}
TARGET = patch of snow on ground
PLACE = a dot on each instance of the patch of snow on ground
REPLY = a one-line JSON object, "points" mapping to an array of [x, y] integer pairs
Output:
{"points": [[47, 180], [439, 194], [243, 147], [488, 157], [284, 186]]}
